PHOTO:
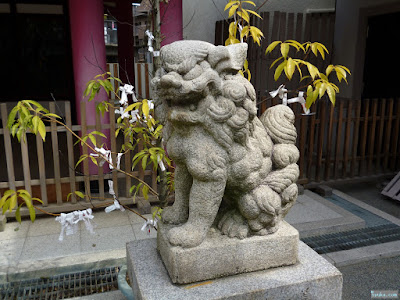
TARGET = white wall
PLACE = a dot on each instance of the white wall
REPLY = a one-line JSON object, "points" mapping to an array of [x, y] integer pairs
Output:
{"points": [[206, 12], [346, 34]]}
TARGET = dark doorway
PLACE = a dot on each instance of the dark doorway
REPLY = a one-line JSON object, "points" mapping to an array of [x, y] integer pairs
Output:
{"points": [[382, 68], [35, 51]]}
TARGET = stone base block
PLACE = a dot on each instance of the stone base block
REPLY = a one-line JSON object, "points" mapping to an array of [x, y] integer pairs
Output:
{"points": [[311, 278], [220, 256]]}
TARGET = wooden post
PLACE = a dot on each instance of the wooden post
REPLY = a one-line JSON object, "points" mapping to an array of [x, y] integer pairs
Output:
{"points": [[56, 155], [42, 169], [70, 146], [100, 169], [355, 139], [364, 136], [7, 147], [338, 140], [379, 153], [347, 138], [387, 136], [85, 152], [329, 142], [113, 151]]}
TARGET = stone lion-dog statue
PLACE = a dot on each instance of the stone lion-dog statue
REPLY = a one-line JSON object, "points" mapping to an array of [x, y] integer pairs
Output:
{"points": [[234, 171]]}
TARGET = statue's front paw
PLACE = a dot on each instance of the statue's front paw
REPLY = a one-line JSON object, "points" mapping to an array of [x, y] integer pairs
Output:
{"points": [[186, 236], [172, 215]]}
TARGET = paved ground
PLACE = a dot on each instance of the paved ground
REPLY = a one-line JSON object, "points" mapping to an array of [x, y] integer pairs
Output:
{"points": [[369, 192], [33, 250], [378, 274]]}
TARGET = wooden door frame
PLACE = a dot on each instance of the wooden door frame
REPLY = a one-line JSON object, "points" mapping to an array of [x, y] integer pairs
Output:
{"points": [[364, 14]]}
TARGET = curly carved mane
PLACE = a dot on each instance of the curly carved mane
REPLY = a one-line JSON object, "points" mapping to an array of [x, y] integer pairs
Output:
{"points": [[230, 117]]}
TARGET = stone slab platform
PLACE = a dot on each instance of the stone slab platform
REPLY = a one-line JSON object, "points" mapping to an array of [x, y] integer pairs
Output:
{"points": [[220, 256], [311, 278]]}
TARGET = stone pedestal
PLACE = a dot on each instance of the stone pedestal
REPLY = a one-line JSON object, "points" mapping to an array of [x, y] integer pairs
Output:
{"points": [[312, 277], [220, 256]]}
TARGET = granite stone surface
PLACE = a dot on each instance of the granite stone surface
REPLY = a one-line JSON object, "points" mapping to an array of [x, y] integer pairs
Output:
{"points": [[220, 256], [233, 169], [311, 278]]}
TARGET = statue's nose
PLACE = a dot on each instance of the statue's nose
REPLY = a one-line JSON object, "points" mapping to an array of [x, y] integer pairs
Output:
{"points": [[168, 81]]}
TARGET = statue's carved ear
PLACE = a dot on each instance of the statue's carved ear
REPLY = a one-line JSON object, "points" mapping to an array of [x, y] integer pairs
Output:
{"points": [[230, 57]]}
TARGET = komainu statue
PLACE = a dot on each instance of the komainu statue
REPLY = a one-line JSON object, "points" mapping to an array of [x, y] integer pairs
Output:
{"points": [[234, 171]]}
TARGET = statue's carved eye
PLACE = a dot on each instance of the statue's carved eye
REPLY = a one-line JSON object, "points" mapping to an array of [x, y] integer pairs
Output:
{"points": [[192, 107]]}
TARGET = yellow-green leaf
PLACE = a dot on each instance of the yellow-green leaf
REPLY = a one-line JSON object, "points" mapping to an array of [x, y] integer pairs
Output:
{"points": [[246, 64], [323, 46], [13, 202], [243, 14], [284, 49], [290, 67], [18, 214], [304, 77], [340, 73], [250, 2], [314, 49], [42, 130], [7, 194], [272, 46], [343, 67], [254, 13], [245, 31], [279, 70], [133, 106], [329, 69], [93, 139], [229, 4], [312, 70], [321, 50], [32, 213], [145, 191], [231, 41], [232, 10], [35, 124], [145, 108], [322, 89], [83, 156], [296, 44], [232, 29], [37, 199], [248, 75], [79, 194], [309, 99], [94, 160], [323, 76], [255, 31], [275, 61], [331, 94]]}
